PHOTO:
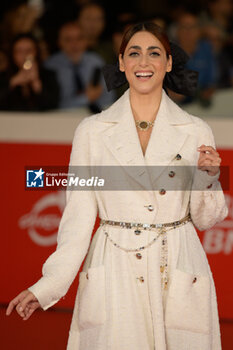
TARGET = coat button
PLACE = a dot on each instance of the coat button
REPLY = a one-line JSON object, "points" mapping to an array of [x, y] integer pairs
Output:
{"points": [[194, 280], [150, 207], [178, 156], [137, 232], [162, 191], [141, 279], [171, 173], [138, 255]]}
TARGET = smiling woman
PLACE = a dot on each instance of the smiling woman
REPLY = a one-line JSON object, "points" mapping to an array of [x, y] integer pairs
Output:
{"points": [[146, 282], [147, 62]]}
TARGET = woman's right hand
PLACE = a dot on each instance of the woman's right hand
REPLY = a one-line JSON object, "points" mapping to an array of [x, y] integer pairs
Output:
{"points": [[19, 79], [25, 304]]}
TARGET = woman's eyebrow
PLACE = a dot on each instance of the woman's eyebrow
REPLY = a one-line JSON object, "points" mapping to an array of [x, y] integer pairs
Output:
{"points": [[153, 47], [136, 47]]}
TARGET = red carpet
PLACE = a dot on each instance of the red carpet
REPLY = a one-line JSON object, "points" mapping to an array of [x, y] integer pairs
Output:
{"points": [[48, 330]]}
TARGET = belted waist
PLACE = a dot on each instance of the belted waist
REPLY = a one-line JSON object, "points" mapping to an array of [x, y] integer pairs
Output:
{"points": [[146, 226], [161, 230]]}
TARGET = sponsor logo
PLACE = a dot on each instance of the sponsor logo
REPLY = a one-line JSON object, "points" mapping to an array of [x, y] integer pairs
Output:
{"points": [[43, 220]]}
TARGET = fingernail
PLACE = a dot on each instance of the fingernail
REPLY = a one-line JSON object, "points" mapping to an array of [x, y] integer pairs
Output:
{"points": [[20, 309]]}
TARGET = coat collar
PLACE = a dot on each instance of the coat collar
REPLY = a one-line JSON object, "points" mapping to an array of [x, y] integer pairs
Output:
{"points": [[166, 140]]}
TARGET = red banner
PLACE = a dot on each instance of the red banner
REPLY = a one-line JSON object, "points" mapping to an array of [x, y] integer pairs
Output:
{"points": [[30, 221]]}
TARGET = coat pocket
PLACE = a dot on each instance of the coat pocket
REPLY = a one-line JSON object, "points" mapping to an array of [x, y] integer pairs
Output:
{"points": [[91, 303], [188, 302]]}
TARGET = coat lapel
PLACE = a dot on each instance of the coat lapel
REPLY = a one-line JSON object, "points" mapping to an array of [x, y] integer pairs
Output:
{"points": [[167, 139], [164, 143]]}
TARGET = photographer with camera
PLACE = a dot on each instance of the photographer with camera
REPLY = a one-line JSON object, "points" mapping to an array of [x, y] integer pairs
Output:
{"points": [[26, 85]]}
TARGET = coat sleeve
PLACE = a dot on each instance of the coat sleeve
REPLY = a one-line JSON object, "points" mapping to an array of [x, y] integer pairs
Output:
{"points": [[207, 201], [74, 233]]}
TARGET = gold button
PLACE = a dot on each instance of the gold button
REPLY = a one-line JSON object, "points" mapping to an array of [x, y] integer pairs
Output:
{"points": [[162, 191], [149, 207], [171, 173], [178, 156], [139, 255], [141, 279]]}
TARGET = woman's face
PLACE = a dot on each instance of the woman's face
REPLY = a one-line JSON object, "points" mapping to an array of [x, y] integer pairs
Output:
{"points": [[23, 49], [145, 62]]}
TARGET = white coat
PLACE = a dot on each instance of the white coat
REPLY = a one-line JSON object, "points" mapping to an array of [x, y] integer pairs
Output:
{"points": [[114, 309]]}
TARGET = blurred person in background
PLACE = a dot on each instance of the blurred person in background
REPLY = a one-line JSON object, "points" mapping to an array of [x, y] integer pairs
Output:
{"points": [[19, 19], [220, 13], [56, 13], [26, 85], [202, 59], [24, 18], [216, 35], [79, 72], [92, 21]]}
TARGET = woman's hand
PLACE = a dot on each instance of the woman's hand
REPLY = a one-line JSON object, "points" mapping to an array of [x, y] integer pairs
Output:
{"points": [[25, 302], [33, 72], [34, 78], [209, 159], [19, 79], [26, 77]]}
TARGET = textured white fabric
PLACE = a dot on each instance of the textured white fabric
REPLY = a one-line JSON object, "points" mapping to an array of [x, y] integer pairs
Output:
{"points": [[117, 311]]}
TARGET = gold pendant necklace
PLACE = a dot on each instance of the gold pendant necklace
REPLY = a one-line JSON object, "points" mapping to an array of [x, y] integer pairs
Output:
{"points": [[143, 124]]}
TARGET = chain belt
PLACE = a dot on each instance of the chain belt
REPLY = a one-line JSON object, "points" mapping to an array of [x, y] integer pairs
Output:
{"points": [[161, 229], [173, 224]]}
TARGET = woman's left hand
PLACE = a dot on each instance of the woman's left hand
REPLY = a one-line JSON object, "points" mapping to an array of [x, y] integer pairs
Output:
{"points": [[209, 161]]}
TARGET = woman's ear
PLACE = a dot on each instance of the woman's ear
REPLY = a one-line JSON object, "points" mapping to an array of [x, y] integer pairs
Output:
{"points": [[121, 63], [169, 63]]}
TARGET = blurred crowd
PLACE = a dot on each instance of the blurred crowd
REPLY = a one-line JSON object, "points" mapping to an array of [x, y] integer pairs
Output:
{"points": [[52, 52]]}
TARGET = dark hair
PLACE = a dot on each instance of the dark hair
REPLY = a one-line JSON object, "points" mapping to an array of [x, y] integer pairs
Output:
{"points": [[147, 26]]}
